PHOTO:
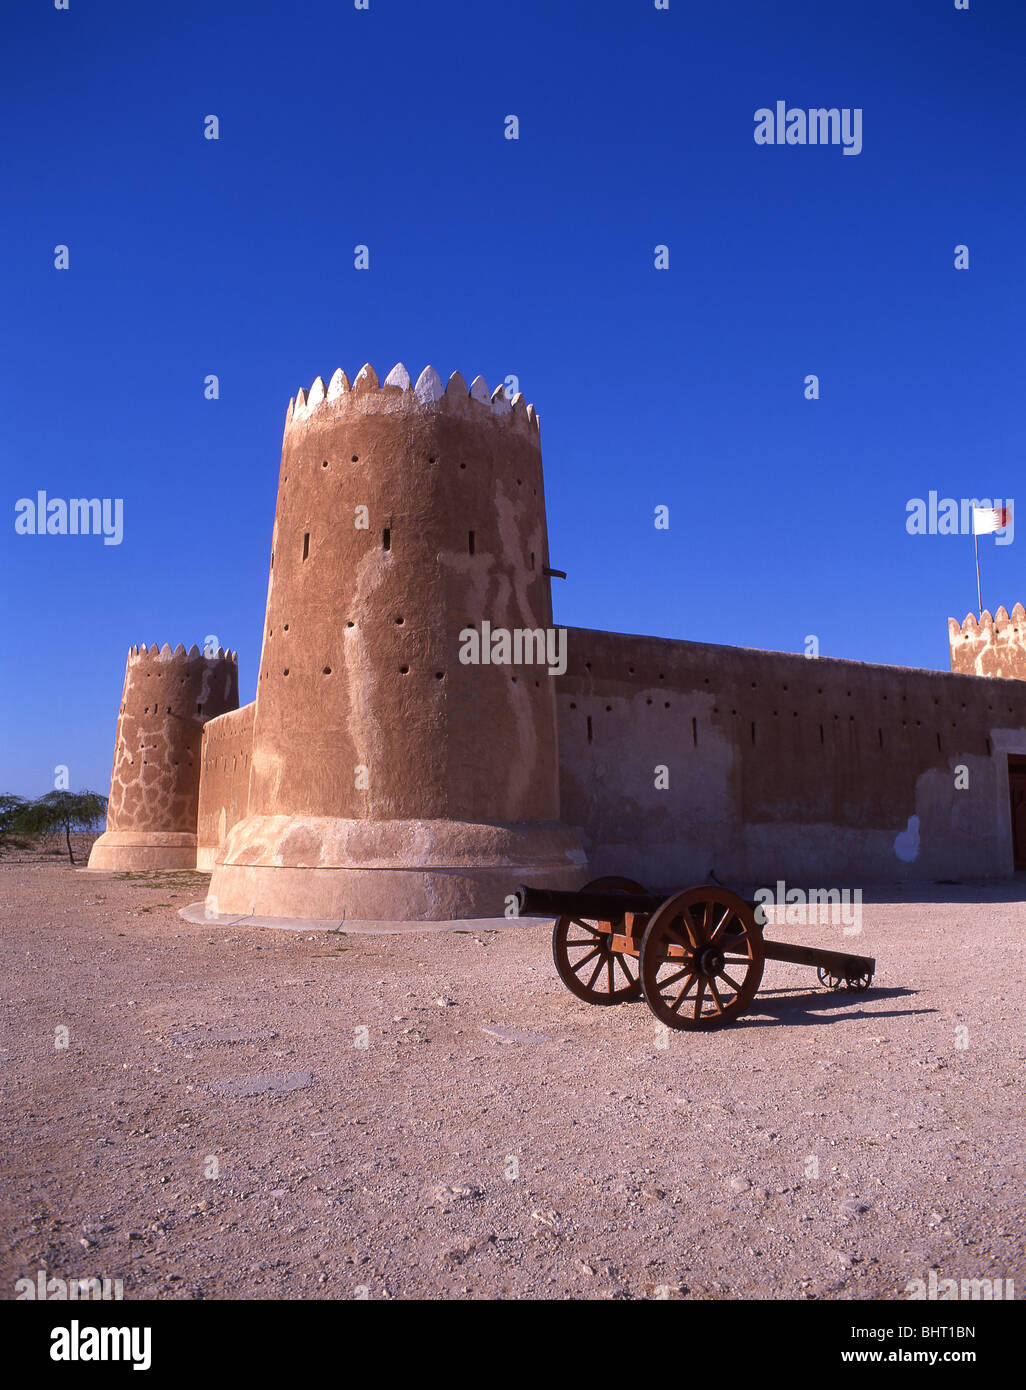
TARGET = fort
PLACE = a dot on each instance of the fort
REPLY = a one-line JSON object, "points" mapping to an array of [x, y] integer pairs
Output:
{"points": [[379, 775]]}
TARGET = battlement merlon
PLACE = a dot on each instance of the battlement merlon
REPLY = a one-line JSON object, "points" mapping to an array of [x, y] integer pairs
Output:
{"points": [[396, 393], [165, 653], [991, 645]]}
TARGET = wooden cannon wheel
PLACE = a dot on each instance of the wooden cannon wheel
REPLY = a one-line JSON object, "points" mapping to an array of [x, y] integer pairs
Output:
{"points": [[701, 958], [584, 959], [857, 982]]}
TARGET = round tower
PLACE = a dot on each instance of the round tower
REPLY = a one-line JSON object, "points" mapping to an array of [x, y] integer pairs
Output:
{"points": [[154, 788], [393, 775]]}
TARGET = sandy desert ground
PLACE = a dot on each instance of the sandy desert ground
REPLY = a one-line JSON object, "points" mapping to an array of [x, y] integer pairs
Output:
{"points": [[496, 1138]]}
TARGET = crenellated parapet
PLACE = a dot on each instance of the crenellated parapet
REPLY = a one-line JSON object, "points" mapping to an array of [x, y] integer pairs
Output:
{"points": [[165, 652], [365, 395], [167, 698], [990, 646]]}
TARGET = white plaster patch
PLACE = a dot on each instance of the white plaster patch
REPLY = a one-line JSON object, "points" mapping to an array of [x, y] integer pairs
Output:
{"points": [[906, 844]]}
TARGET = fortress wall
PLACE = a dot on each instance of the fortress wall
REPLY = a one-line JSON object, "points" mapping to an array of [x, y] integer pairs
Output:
{"points": [[994, 646], [825, 772], [224, 780]]}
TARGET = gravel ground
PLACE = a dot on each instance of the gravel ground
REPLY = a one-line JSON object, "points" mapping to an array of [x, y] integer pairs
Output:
{"points": [[494, 1137]]}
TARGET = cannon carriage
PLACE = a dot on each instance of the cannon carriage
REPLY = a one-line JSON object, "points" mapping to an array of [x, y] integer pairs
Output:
{"points": [[696, 956]]}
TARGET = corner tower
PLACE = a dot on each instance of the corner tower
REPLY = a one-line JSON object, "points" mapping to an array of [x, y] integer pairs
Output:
{"points": [[994, 646], [389, 779], [154, 788]]}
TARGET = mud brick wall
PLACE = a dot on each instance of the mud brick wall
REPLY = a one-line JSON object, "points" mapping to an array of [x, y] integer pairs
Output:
{"points": [[822, 772], [224, 783]]}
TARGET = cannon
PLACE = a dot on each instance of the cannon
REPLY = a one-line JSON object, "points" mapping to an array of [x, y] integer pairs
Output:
{"points": [[696, 956]]}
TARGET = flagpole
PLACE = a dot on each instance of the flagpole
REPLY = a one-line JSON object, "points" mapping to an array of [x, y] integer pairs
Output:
{"points": [[976, 548]]}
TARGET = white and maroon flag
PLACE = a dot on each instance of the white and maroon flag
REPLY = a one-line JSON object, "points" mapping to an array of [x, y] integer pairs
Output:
{"points": [[987, 519]]}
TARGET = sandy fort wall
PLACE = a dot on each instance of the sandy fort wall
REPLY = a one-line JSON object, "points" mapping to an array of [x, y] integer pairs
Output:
{"points": [[823, 771], [225, 757]]}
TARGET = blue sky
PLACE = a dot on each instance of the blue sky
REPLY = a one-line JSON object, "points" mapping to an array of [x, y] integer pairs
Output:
{"points": [[682, 387]]}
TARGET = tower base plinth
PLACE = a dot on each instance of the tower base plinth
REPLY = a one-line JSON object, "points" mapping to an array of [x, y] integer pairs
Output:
{"points": [[400, 870], [120, 850]]}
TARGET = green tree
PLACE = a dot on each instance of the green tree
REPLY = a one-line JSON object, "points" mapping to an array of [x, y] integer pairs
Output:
{"points": [[11, 807], [57, 811]]}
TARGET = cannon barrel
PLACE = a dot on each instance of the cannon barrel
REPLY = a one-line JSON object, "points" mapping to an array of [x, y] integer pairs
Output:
{"points": [[605, 907], [838, 962]]}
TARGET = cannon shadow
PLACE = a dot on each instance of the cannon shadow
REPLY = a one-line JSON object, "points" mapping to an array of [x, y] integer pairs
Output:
{"points": [[793, 1007]]}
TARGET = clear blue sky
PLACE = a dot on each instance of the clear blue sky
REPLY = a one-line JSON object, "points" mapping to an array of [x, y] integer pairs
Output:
{"points": [[535, 257]]}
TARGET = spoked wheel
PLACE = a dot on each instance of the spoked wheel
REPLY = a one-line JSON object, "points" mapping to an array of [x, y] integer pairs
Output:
{"points": [[855, 983], [584, 960], [701, 958]]}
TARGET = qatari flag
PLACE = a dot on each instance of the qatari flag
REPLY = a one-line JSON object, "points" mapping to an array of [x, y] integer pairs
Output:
{"points": [[987, 519]]}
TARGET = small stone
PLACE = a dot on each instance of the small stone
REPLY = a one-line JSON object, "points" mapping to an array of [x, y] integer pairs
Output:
{"points": [[443, 1195]]}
